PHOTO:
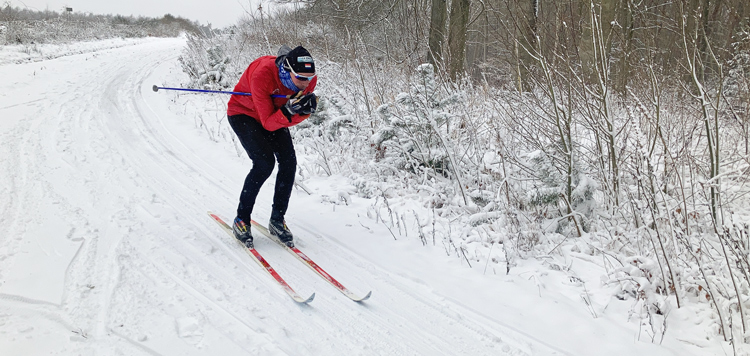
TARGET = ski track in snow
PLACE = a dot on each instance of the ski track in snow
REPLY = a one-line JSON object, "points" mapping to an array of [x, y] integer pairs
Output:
{"points": [[106, 249]]}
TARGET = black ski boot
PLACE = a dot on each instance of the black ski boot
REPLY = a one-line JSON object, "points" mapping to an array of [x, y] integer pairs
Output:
{"points": [[278, 228], [242, 232]]}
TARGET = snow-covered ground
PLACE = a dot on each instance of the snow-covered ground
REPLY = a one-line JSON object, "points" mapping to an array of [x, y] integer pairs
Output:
{"points": [[106, 248]]}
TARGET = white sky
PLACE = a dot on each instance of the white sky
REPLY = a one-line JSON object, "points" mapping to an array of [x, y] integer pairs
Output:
{"points": [[220, 13]]}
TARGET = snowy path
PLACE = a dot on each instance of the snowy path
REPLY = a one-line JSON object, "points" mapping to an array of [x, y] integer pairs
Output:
{"points": [[106, 249]]}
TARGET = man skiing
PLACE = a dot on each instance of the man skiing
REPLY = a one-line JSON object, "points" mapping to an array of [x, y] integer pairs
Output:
{"points": [[261, 122]]}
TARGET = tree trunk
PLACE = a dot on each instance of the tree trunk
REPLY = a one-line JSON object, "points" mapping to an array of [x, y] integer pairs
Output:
{"points": [[459, 20], [529, 44], [437, 31], [628, 32]]}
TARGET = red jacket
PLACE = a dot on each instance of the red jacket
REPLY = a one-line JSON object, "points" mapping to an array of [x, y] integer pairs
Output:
{"points": [[261, 79]]}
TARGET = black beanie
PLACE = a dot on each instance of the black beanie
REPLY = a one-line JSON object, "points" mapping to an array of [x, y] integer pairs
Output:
{"points": [[300, 60]]}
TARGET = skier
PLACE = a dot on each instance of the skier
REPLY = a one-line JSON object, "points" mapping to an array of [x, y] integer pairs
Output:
{"points": [[261, 123]]}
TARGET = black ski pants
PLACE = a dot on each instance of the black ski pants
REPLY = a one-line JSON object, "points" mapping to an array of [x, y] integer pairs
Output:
{"points": [[264, 148]]}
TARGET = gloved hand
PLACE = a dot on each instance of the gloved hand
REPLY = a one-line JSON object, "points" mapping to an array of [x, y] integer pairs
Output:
{"points": [[308, 104], [300, 104]]}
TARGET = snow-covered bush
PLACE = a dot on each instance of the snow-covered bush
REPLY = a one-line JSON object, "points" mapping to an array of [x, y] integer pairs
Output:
{"points": [[416, 125], [206, 67], [550, 191]]}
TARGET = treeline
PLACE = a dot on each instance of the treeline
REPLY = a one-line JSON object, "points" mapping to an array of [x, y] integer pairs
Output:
{"points": [[510, 35], [24, 26], [608, 130]]}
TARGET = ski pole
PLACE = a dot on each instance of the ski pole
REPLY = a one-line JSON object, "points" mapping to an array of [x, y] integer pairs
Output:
{"points": [[156, 88]]}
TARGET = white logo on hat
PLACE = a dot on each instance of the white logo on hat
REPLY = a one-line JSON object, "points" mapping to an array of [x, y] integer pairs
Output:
{"points": [[305, 59]]}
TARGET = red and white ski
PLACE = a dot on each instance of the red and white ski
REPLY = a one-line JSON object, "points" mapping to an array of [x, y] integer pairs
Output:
{"points": [[263, 263], [314, 266]]}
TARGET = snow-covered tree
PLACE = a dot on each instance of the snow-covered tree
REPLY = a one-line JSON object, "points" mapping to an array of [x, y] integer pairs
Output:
{"points": [[416, 126]]}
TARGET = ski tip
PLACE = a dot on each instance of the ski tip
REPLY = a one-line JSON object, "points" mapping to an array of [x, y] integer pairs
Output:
{"points": [[363, 298], [305, 301]]}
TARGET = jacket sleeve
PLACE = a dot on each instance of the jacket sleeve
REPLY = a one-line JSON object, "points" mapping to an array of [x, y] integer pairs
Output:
{"points": [[262, 86]]}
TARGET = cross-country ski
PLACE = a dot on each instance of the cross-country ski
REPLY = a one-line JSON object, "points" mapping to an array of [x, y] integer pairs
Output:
{"points": [[256, 256], [294, 250]]}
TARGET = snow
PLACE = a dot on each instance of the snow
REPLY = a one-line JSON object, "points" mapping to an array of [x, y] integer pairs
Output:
{"points": [[106, 248]]}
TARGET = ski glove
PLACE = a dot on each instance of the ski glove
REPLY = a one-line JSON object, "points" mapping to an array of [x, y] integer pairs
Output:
{"points": [[300, 104], [309, 104]]}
